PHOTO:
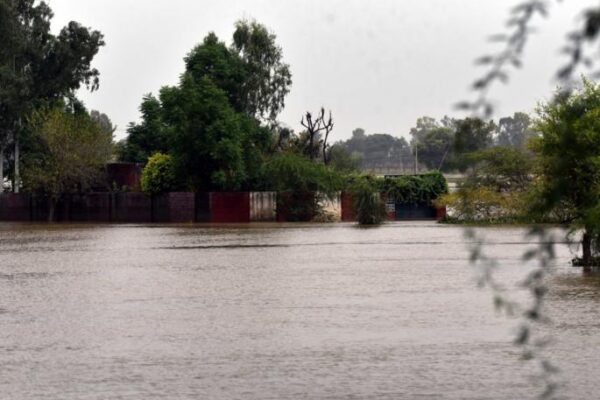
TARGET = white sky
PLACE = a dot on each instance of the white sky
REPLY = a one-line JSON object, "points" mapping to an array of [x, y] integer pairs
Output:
{"points": [[377, 64]]}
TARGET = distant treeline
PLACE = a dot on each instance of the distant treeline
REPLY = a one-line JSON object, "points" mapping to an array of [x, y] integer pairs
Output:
{"points": [[435, 145]]}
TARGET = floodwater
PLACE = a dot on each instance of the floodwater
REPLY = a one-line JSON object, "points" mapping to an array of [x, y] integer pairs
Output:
{"points": [[277, 312]]}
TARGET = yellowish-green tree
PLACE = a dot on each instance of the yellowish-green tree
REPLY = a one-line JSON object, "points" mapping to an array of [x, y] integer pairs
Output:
{"points": [[159, 174], [73, 152]]}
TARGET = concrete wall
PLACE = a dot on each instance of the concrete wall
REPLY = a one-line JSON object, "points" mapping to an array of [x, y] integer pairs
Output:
{"points": [[263, 206]]}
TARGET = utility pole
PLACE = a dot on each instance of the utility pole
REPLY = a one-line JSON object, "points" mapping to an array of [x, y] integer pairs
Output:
{"points": [[416, 157]]}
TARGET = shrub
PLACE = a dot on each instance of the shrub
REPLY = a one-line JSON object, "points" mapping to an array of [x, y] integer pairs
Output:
{"points": [[415, 189], [369, 206], [159, 174]]}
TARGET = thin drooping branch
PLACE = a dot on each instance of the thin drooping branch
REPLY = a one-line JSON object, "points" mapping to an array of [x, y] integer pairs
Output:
{"points": [[587, 33], [499, 65], [519, 29], [532, 314]]}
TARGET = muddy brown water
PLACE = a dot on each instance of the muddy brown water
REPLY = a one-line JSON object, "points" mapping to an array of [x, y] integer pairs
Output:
{"points": [[277, 311]]}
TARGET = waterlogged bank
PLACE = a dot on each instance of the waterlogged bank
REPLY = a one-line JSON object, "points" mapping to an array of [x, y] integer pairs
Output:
{"points": [[274, 312]]}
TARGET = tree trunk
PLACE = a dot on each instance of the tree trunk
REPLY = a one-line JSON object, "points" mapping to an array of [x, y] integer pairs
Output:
{"points": [[586, 244], [51, 208]]}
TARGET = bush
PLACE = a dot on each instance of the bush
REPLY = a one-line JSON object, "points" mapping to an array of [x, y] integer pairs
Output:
{"points": [[301, 183], [292, 172], [159, 174], [415, 189], [368, 204], [481, 204]]}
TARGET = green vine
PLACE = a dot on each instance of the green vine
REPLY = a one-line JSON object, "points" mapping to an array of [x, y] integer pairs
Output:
{"points": [[415, 189]]}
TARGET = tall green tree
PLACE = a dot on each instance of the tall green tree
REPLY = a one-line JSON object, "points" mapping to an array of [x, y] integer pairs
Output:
{"points": [[268, 78], [206, 141], [213, 121], [472, 135], [149, 136], [38, 67], [433, 142], [515, 131], [379, 150], [569, 153], [212, 59]]}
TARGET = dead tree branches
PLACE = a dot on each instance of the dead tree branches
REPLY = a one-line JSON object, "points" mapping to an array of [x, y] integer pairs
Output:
{"points": [[316, 128]]}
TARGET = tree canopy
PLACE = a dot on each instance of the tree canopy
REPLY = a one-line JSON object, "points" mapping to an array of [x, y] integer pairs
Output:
{"points": [[38, 68], [212, 121], [72, 150], [569, 153]]}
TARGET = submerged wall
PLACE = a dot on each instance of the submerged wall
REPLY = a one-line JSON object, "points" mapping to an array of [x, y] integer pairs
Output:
{"points": [[183, 207], [174, 207], [263, 206], [15, 207], [227, 207]]}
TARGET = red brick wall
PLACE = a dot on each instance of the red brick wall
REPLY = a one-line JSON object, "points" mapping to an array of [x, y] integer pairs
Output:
{"points": [[229, 207], [348, 212]]}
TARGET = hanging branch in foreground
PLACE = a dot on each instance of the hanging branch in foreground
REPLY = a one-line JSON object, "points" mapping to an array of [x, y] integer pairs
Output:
{"points": [[498, 68], [532, 314], [508, 58], [519, 30]]}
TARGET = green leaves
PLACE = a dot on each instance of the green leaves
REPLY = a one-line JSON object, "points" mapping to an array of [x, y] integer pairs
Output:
{"points": [[73, 150], [368, 203], [210, 122], [416, 189], [289, 171], [159, 174], [268, 78]]}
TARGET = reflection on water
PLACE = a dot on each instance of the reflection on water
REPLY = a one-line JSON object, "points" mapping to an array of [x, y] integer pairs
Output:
{"points": [[274, 312]]}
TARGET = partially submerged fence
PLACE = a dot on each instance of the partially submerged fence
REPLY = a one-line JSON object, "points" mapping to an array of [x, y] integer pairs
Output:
{"points": [[181, 207]]}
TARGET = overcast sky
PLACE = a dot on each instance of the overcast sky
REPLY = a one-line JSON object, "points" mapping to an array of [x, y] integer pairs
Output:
{"points": [[378, 65]]}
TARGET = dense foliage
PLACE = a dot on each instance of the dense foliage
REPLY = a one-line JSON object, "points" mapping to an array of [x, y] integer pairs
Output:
{"points": [[569, 161], [293, 172], [367, 201], [372, 152], [415, 189], [38, 68], [159, 175], [212, 121], [72, 152]]}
